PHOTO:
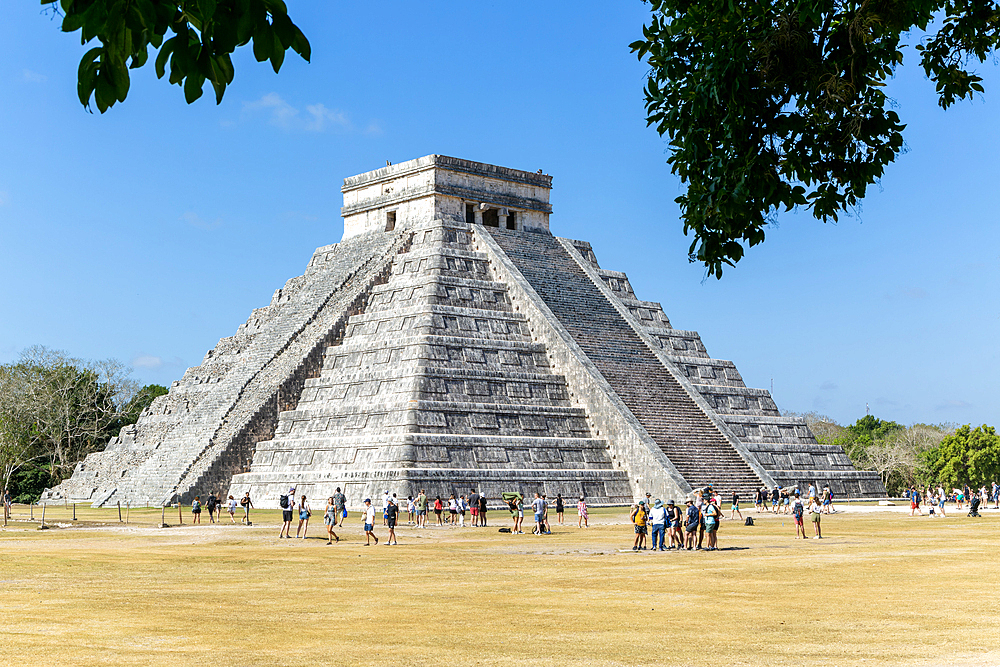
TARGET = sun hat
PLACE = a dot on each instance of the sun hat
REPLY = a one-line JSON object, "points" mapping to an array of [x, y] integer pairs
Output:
{"points": [[368, 500], [642, 502], [670, 502], [658, 503], [689, 502]]}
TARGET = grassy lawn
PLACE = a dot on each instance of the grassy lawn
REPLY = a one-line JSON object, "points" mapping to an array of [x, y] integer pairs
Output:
{"points": [[881, 589]]}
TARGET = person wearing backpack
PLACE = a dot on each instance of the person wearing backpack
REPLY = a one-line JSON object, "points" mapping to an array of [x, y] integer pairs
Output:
{"points": [[247, 506], [692, 520], [210, 504], [713, 515], [196, 510], [798, 509], [638, 517], [287, 503]]}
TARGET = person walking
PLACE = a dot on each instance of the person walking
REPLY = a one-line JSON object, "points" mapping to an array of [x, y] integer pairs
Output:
{"points": [[247, 506], [798, 509], [211, 503], [816, 513], [915, 501], [658, 520], [330, 516], [391, 516], [560, 508], [340, 501], [287, 503], [231, 506], [196, 510], [304, 515], [942, 497], [638, 517], [736, 507], [438, 509], [369, 523], [775, 497]]}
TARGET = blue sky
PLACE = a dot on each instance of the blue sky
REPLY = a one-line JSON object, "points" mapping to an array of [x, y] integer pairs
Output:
{"points": [[150, 232]]}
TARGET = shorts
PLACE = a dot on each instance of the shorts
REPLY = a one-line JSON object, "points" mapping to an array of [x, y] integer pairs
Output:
{"points": [[475, 511], [798, 521], [520, 515], [711, 528], [421, 512], [453, 512], [286, 515], [815, 517], [691, 527], [303, 516], [539, 517], [914, 504], [196, 511], [640, 530], [368, 528], [736, 507], [391, 522], [827, 502]]}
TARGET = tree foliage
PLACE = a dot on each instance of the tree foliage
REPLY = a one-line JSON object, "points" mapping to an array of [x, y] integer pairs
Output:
{"points": [[194, 39], [769, 106], [969, 456], [54, 410]]}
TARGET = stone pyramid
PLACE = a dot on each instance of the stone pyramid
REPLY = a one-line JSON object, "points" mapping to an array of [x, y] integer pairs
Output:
{"points": [[450, 342]]}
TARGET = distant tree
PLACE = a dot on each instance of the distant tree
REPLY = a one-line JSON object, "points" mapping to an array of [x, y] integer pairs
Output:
{"points": [[769, 106], [969, 456], [194, 37], [56, 410]]}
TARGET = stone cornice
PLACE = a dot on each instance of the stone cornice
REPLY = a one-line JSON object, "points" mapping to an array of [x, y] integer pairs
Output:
{"points": [[393, 172], [471, 194]]}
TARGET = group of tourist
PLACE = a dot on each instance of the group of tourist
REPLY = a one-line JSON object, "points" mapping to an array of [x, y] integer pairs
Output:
{"points": [[936, 498], [782, 499], [215, 504], [540, 508]]}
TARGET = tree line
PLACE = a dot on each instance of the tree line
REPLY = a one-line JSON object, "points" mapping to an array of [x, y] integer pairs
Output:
{"points": [[919, 454], [55, 410]]}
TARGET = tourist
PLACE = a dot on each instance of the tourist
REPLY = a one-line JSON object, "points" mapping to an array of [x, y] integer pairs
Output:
{"points": [[6, 504], [692, 519], [330, 517], [304, 515], [658, 520], [452, 510], [812, 491], [713, 516], [519, 514], [638, 517], [699, 502], [438, 509], [786, 499], [463, 507], [411, 511], [421, 509], [231, 507], [196, 510], [816, 510], [827, 499], [482, 509], [560, 508], [758, 500], [581, 510], [385, 507], [775, 497], [474, 507], [545, 515], [736, 506], [798, 509], [340, 500], [391, 516], [941, 500], [247, 506], [675, 526], [915, 502], [538, 507], [369, 523], [287, 503], [211, 503]]}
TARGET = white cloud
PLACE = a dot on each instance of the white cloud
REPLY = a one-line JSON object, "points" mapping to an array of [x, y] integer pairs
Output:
{"points": [[196, 220], [147, 361], [33, 77], [316, 118]]}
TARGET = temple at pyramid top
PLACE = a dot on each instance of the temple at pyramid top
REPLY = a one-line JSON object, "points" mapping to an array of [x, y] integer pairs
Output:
{"points": [[441, 186], [441, 347]]}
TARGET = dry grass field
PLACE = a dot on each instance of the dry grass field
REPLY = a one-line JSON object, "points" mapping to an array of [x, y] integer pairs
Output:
{"points": [[881, 589]]}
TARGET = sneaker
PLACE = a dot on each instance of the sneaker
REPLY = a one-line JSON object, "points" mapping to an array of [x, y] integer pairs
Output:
{"points": [[818, 537], [635, 548]]}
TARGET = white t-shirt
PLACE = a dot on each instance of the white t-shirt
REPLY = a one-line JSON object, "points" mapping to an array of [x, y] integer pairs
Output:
{"points": [[370, 515], [233, 504], [658, 516], [291, 503]]}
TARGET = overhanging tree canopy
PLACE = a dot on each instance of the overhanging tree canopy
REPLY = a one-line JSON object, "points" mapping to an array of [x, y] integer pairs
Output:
{"points": [[202, 36], [779, 104]]}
